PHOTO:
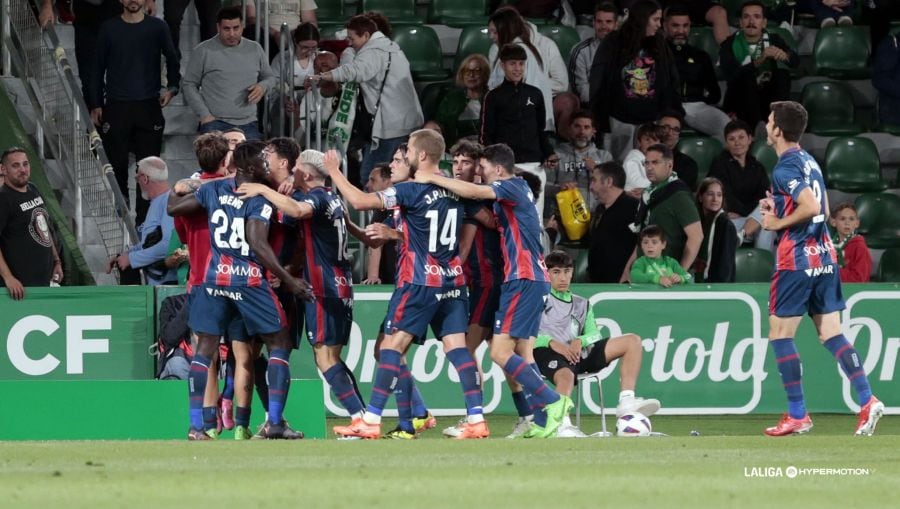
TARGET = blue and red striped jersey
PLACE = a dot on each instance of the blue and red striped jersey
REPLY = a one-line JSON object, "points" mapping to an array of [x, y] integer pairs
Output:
{"points": [[520, 231], [431, 219], [231, 262], [807, 245], [484, 267], [327, 266]]}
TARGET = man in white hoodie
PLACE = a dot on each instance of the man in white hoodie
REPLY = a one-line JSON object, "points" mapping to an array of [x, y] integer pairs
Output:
{"points": [[387, 89]]}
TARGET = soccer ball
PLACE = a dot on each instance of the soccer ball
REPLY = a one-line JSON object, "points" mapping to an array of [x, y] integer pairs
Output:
{"points": [[634, 424]]}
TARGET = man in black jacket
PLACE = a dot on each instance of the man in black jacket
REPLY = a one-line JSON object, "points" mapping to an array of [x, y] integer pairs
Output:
{"points": [[610, 242], [755, 64], [700, 91]]}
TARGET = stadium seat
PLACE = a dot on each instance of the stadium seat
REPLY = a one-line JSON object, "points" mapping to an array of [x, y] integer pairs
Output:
{"points": [[842, 53], [330, 11], [398, 11], [423, 49], [889, 266], [753, 265], [702, 37], [458, 13], [852, 165], [702, 150], [473, 39], [879, 219], [765, 155], [431, 95], [830, 108], [565, 37]]}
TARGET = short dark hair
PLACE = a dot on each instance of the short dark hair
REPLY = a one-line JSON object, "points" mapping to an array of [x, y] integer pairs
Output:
{"points": [[362, 25], [670, 113], [583, 114], [382, 23], [606, 7], [501, 155], [678, 9], [383, 169], [230, 12], [844, 205], [559, 259], [286, 148], [11, 150], [652, 231], [210, 149], [305, 32], [737, 125], [249, 160], [512, 51], [466, 148], [648, 129], [533, 181], [752, 3], [791, 118], [613, 170], [662, 149], [233, 130]]}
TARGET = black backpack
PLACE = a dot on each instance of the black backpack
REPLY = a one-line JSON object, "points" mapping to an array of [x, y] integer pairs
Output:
{"points": [[174, 333]]}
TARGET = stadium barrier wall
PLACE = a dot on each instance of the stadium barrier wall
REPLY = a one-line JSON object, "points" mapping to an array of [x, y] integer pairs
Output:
{"points": [[705, 347]]}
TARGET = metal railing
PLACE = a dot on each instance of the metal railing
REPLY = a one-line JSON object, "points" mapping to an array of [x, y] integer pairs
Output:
{"points": [[65, 126]]}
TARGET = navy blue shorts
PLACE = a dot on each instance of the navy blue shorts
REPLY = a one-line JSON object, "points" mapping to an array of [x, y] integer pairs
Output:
{"points": [[483, 304], [214, 307], [294, 310], [414, 307], [796, 293], [521, 308], [234, 331], [328, 321]]}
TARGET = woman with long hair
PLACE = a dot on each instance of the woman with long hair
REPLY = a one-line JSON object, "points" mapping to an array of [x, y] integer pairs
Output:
{"points": [[715, 261]]}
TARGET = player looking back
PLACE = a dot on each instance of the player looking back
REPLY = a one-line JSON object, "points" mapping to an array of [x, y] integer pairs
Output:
{"points": [[806, 279]]}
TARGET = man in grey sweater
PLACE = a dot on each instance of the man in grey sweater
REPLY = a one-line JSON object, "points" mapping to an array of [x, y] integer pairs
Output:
{"points": [[226, 77]]}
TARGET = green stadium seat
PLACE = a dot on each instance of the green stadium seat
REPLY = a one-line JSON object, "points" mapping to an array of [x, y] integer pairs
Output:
{"points": [[702, 150], [842, 53], [473, 39], [765, 155], [753, 265], [397, 11], [458, 13], [330, 11], [431, 96], [422, 47], [565, 37], [852, 165], [703, 38], [889, 266], [830, 108], [582, 275], [879, 219]]}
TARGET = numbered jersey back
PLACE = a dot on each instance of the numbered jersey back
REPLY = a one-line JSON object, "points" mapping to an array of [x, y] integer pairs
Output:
{"points": [[431, 218], [327, 266], [807, 245], [231, 261]]}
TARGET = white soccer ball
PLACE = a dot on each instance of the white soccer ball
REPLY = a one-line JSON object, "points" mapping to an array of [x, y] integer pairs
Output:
{"points": [[634, 424]]}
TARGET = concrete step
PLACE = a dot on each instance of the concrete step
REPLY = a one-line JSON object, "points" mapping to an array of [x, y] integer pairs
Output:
{"points": [[178, 146], [180, 119], [181, 168]]}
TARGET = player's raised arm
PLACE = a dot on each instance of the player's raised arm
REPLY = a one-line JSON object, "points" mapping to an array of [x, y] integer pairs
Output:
{"points": [[182, 200], [258, 238], [286, 204], [358, 199], [456, 186]]}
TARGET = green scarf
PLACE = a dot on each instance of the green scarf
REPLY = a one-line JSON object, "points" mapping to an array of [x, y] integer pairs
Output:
{"points": [[341, 124], [744, 56], [840, 246], [656, 187]]}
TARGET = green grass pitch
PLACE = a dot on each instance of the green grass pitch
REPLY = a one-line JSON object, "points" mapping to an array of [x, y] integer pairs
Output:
{"points": [[715, 470]]}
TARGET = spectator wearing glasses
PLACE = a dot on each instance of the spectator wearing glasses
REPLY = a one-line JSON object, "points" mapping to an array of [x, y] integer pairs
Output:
{"points": [[459, 112], [671, 123], [305, 39]]}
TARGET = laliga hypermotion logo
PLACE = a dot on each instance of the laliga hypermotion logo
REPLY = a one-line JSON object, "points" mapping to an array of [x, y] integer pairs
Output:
{"points": [[674, 359], [880, 348]]}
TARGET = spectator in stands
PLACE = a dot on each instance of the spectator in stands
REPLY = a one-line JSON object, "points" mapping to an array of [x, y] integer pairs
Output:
{"points": [[306, 44], [700, 91], [381, 261], [582, 56], [611, 241], [124, 92], [833, 12], [28, 256], [715, 261], [671, 123], [576, 160], [292, 12], [305, 39], [669, 204], [633, 77], [702, 12], [226, 77], [886, 79], [173, 13], [636, 181], [744, 182], [459, 112], [755, 64], [91, 14], [382, 24], [329, 97], [654, 266], [852, 251], [149, 256], [387, 89]]}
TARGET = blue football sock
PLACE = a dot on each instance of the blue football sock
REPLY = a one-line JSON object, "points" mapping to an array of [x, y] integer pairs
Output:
{"points": [[209, 418], [468, 377], [342, 388], [260, 367], [197, 376], [791, 373], [386, 378], [521, 402], [353, 381], [228, 392], [403, 393], [847, 357], [278, 375], [523, 373], [418, 404], [242, 416]]}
